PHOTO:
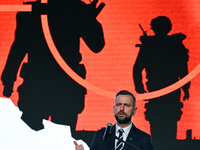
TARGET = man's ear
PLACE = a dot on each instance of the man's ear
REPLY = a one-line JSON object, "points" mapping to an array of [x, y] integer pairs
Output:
{"points": [[134, 111]]}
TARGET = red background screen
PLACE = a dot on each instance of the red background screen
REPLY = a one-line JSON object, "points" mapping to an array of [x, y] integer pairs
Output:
{"points": [[111, 69]]}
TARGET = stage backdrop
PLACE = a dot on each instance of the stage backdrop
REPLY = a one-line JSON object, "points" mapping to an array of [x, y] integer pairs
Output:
{"points": [[111, 70]]}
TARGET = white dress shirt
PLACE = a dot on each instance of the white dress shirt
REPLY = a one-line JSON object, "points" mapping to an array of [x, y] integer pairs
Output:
{"points": [[125, 133]]}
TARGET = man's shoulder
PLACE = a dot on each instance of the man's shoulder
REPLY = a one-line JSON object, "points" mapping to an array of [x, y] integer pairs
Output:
{"points": [[141, 139], [101, 131], [140, 132]]}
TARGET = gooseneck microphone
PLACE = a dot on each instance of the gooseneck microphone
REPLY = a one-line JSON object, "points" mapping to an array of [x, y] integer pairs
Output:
{"points": [[107, 131]]}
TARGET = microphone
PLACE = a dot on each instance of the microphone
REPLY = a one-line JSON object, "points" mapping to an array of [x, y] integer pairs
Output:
{"points": [[107, 131]]}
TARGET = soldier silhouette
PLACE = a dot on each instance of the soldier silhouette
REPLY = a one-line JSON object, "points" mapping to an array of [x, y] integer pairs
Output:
{"points": [[47, 90], [164, 58]]}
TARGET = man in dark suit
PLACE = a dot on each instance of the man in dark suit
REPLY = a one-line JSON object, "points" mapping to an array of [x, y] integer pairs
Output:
{"points": [[124, 109]]}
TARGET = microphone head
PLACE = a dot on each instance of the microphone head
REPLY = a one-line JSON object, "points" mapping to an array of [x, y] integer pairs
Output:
{"points": [[107, 131], [109, 125]]}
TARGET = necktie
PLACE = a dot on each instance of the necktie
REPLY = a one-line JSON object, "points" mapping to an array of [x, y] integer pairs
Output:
{"points": [[119, 145]]}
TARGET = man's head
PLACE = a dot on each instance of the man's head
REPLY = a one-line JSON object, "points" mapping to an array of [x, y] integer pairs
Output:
{"points": [[161, 25], [124, 108]]}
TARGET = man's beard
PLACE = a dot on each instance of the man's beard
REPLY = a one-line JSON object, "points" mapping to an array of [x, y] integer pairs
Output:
{"points": [[124, 120]]}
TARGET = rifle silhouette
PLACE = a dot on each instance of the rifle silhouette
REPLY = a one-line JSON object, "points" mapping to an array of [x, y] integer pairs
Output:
{"points": [[144, 34]]}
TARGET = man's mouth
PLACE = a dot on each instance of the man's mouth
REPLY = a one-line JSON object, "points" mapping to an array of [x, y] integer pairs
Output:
{"points": [[121, 114]]}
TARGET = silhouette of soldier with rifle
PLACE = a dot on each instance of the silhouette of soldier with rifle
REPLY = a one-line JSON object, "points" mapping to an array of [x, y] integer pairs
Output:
{"points": [[164, 58], [47, 90]]}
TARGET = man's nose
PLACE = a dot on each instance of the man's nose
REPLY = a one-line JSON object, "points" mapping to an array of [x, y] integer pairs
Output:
{"points": [[122, 107]]}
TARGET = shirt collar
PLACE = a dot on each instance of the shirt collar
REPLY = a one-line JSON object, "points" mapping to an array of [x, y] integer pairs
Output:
{"points": [[126, 129]]}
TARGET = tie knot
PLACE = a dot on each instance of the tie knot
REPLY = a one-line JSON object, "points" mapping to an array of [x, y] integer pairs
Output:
{"points": [[120, 131]]}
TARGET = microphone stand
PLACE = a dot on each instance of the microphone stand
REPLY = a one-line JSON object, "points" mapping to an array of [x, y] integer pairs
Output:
{"points": [[115, 137]]}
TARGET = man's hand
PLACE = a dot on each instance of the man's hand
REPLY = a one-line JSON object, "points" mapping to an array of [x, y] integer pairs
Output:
{"points": [[78, 147]]}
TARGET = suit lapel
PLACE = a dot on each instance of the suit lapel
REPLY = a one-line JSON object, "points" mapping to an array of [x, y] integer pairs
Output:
{"points": [[132, 137]]}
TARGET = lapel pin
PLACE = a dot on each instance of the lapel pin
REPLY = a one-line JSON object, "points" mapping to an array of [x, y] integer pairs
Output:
{"points": [[130, 138]]}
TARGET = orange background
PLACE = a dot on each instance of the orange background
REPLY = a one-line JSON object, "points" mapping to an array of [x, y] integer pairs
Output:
{"points": [[111, 69]]}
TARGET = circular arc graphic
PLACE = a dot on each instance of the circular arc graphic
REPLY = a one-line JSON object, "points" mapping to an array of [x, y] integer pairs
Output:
{"points": [[100, 91]]}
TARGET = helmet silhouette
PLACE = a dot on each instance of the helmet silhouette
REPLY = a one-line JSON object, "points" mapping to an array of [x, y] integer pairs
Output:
{"points": [[161, 25]]}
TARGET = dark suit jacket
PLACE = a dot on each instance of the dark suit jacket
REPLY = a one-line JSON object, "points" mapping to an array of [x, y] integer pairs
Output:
{"points": [[136, 137]]}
